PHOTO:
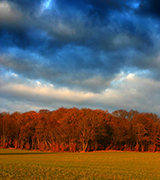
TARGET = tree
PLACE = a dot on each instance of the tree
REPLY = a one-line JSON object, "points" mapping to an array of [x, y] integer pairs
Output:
{"points": [[7, 126], [121, 137], [16, 120], [143, 127], [89, 128], [27, 130]]}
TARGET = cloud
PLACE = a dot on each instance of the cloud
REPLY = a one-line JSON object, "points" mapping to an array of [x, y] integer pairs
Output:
{"points": [[27, 5], [39, 93], [133, 91], [79, 68], [126, 92], [9, 13], [92, 7], [79, 48], [149, 8], [61, 29]]}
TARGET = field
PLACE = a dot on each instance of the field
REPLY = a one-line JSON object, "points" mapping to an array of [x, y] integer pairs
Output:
{"points": [[22, 164]]}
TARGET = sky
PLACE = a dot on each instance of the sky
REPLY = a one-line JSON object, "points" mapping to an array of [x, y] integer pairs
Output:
{"points": [[98, 54]]}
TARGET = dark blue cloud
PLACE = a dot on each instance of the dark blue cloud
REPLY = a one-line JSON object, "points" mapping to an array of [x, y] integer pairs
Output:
{"points": [[93, 8], [101, 5], [79, 40], [86, 45], [150, 8]]}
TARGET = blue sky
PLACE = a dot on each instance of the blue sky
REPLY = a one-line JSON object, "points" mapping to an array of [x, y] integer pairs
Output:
{"points": [[97, 54]]}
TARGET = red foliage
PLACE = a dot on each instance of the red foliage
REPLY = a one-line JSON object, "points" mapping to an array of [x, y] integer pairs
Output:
{"points": [[80, 130], [55, 147], [28, 146]]}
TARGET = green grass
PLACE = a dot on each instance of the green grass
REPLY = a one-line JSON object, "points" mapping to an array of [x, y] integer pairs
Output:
{"points": [[21, 164]]}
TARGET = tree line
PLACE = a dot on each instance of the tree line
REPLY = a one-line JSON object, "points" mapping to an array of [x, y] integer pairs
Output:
{"points": [[77, 130]]}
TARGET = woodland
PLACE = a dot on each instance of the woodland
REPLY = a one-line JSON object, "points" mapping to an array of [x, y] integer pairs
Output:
{"points": [[76, 130]]}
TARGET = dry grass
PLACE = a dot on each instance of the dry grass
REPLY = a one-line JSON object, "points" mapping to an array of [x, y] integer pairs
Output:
{"points": [[21, 164]]}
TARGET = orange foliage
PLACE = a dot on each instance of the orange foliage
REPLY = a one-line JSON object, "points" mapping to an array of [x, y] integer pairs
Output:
{"points": [[80, 130]]}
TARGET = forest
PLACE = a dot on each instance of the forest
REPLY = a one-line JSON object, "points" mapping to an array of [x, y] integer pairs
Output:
{"points": [[76, 130]]}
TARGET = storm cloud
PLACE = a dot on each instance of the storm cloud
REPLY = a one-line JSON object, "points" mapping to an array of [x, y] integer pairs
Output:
{"points": [[80, 51]]}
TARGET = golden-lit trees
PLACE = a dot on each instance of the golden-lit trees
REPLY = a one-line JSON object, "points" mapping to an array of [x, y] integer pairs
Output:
{"points": [[121, 133], [144, 130], [43, 130], [27, 129], [68, 125], [80, 130], [91, 128], [1, 130], [6, 130], [16, 120]]}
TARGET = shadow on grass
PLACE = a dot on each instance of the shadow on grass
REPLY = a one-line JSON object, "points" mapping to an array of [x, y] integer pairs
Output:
{"points": [[36, 153]]}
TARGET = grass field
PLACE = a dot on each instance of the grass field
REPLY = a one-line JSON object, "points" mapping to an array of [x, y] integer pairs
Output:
{"points": [[21, 164]]}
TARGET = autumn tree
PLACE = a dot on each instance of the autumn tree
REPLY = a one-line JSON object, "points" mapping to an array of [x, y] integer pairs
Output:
{"points": [[27, 130], [90, 129], [143, 128], [6, 128], [80, 130], [16, 120]]}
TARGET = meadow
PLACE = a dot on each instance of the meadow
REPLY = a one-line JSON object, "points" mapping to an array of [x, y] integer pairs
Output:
{"points": [[22, 164]]}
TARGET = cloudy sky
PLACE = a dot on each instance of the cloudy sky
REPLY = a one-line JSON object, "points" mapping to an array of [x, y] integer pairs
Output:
{"points": [[101, 54]]}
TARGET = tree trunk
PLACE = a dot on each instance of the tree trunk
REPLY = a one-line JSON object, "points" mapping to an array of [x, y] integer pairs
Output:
{"points": [[85, 146]]}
